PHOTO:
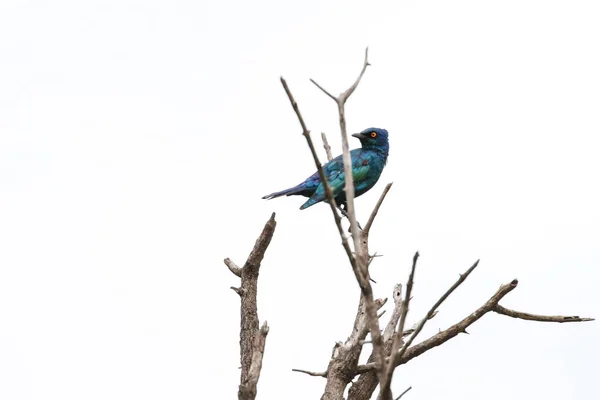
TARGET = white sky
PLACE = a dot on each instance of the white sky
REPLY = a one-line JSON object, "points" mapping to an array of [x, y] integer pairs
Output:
{"points": [[137, 138]]}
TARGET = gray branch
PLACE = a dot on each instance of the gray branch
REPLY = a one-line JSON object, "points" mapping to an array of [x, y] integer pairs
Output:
{"points": [[326, 146], [433, 309], [252, 340], [539, 318], [311, 373], [237, 271], [247, 389], [403, 393], [349, 187], [328, 191], [391, 326], [364, 387], [385, 392], [360, 240], [376, 209], [342, 366], [360, 261], [461, 327]]}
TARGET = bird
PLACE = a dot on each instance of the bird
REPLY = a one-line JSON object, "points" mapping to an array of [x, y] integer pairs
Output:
{"points": [[367, 164]]}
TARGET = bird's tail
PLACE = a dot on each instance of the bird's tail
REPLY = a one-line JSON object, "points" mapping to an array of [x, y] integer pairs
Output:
{"points": [[309, 202], [287, 192]]}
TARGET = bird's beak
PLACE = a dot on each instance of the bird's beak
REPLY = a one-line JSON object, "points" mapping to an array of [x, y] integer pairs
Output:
{"points": [[357, 135]]}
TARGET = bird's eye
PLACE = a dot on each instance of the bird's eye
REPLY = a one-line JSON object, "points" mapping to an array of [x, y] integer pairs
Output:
{"points": [[373, 134]]}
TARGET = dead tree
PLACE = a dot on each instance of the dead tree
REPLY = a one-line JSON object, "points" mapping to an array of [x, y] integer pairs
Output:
{"points": [[391, 347]]}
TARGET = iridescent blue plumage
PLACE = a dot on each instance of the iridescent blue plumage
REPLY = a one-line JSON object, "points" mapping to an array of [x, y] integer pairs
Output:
{"points": [[367, 165]]}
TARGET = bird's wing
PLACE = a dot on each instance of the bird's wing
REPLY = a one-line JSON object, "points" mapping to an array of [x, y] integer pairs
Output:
{"points": [[334, 170], [361, 164]]}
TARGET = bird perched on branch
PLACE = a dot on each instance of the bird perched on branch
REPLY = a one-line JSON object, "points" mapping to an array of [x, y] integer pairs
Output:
{"points": [[367, 165]]}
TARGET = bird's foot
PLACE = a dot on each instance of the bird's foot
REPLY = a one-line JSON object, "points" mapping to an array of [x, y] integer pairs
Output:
{"points": [[345, 214]]}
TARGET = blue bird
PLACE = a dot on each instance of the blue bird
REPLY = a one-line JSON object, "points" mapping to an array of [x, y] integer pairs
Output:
{"points": [[367, 165]]}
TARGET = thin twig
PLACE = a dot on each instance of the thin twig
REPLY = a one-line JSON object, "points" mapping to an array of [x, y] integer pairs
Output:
{"points": [[445, 335], [321, 374], [324, 91], [326, 146], [344, 96], [367, 227], [237, 271], [460, 280], [403, 393], [407, 296], [410, 331], [540, 318], [386, 378]]}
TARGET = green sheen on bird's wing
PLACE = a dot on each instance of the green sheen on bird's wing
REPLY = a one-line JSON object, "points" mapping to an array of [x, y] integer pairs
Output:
{"points": [[336, 182], [360, 174]]}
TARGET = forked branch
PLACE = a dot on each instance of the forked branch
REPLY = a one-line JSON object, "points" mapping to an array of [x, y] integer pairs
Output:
{"points": [[349, 186], [360, 261], [461, 327], [328, 191], [360, 240]]}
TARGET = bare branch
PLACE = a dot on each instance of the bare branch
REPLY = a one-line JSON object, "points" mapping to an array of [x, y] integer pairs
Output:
{"points": [[328, 192], [349, 186], [407, 297], [540, 318], [251, 339], [445, 335], [429, 314], [376, 209], [237, 271], [410, 331], [344, 360], [260, 247], [386, 377], [324, 91], [360, 241], [360, 262], [403, 393], [364, 387], [326, 146], [391, 326], [361, 330], [321, 374], [344, 96], [247, 389]]}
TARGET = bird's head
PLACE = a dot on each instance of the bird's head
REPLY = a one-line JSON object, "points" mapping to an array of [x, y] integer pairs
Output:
{"points": [[373, 138]]}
